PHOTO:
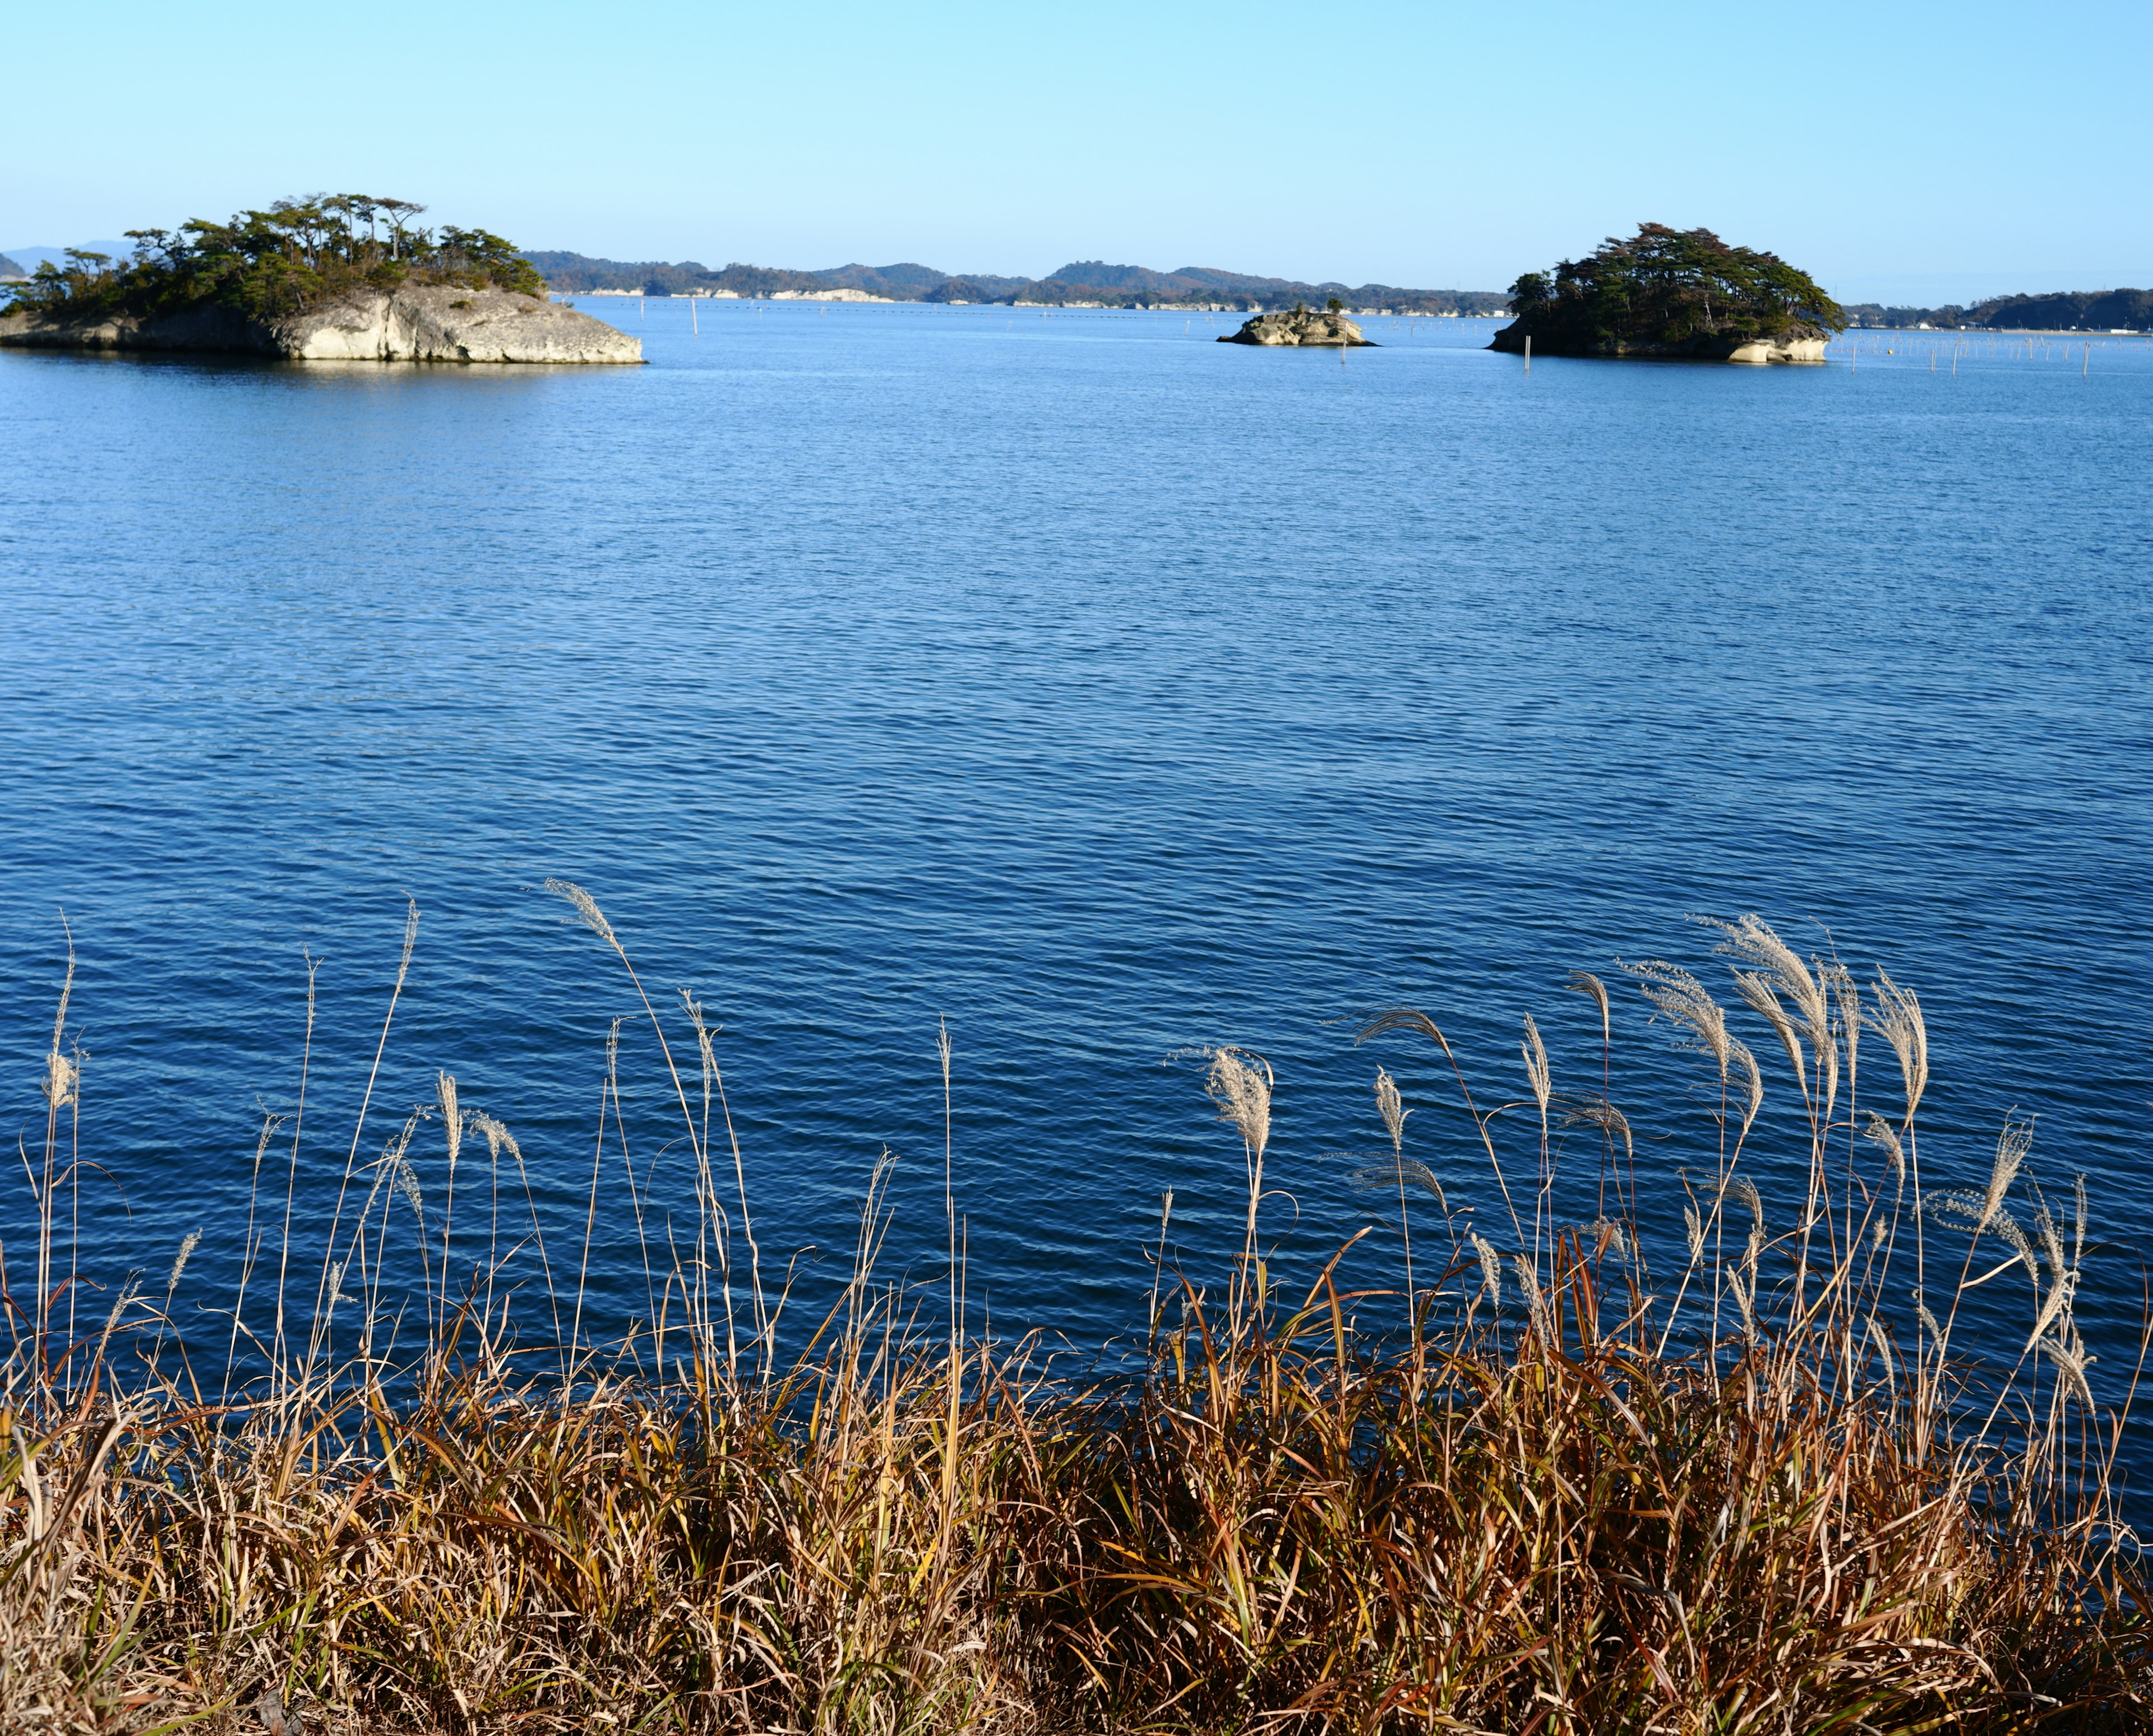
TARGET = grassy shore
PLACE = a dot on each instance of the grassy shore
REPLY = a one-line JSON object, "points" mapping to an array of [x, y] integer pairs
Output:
{"points": [[1558, 1484]]}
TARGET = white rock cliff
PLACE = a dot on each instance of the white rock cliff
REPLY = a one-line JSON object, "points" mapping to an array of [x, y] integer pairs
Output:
{"points": [[432, 322]]}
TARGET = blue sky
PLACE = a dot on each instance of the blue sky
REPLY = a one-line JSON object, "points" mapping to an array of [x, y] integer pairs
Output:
{"points": [[1915, 152]]}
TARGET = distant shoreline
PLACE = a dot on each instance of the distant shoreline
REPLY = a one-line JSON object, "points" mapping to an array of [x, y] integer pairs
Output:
{"points": [[1082, 283], [854, 299]]}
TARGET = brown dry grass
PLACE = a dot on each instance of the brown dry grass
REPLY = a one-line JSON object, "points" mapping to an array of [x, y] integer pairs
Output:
{"points": [[1580, 1496]]}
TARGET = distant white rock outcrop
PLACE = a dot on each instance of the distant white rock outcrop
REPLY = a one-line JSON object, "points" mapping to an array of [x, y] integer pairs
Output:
{"points": [[1303, 326], [431, 322]]}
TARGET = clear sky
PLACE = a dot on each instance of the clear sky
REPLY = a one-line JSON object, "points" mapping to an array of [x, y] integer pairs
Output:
{"points": [[1910, 152]]}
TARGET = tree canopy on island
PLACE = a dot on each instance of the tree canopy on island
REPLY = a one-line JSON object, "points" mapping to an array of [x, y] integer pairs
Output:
{"points": [[269, 264], [1668, 287]]}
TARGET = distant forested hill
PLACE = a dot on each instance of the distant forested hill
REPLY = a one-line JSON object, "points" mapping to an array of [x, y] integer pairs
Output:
{"points": [[8, 268], [578, 274], [2080, 310], [1085, 281], [1136, 284]]}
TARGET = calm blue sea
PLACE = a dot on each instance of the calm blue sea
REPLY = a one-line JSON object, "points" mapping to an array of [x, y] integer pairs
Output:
{"points": [[1105, 690]]}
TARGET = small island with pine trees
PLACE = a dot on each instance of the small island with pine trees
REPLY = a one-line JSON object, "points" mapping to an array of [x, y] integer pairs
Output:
{"points": [[1677, 294], [344, 277]]}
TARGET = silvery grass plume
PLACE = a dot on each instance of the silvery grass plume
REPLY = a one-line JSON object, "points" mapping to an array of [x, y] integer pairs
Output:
{"points": [[1680, 998], [1537, 1074], [1898, 1019], [1391, 1106], [1846, 992], [1400, 1172], [1752, 941], [2053, 1331], [2062, 1282], [1753, 1084], [192, 1240], [2011, 1145], [1529, 1283], [1683, 1002], [1240, 1083], [2067, 1351], [1744, 1189], [1961, 1208], [1776, 969], [1594, 990], [586, 907], [1882, 1133], [61, 1075], [496, 1135], [188, 1244], [1491, 1270], [451, 1122], [697, 1023]]}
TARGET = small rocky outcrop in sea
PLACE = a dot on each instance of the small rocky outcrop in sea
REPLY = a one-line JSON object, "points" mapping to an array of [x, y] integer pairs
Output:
{"points": [[416, 322], [1302, 327]]}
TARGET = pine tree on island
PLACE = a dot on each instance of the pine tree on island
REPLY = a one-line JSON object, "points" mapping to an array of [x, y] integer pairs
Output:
{"points": [[1669, 292]]}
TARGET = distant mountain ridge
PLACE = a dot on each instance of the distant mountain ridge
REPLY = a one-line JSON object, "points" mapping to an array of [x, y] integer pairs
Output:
{"points": [[8, 268], [28, 259], [1088, 281]]}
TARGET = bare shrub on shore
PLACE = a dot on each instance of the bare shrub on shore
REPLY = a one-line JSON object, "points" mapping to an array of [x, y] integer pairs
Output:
{"points": [[1758, 1490]]}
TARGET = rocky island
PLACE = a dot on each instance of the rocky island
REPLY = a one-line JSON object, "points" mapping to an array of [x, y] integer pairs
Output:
{"points": [[344, 277], [1675, 294], [1304, 327]]}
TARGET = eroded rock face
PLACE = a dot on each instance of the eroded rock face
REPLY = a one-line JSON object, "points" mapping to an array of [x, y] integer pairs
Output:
{"points": [[428, 323], [439, 323], [1333, 330], [1778, 349]]}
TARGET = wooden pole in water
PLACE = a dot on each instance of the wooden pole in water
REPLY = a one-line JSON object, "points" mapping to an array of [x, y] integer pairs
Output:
{"points": [[1529, 355], [2086, 360], [695, 316]]}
